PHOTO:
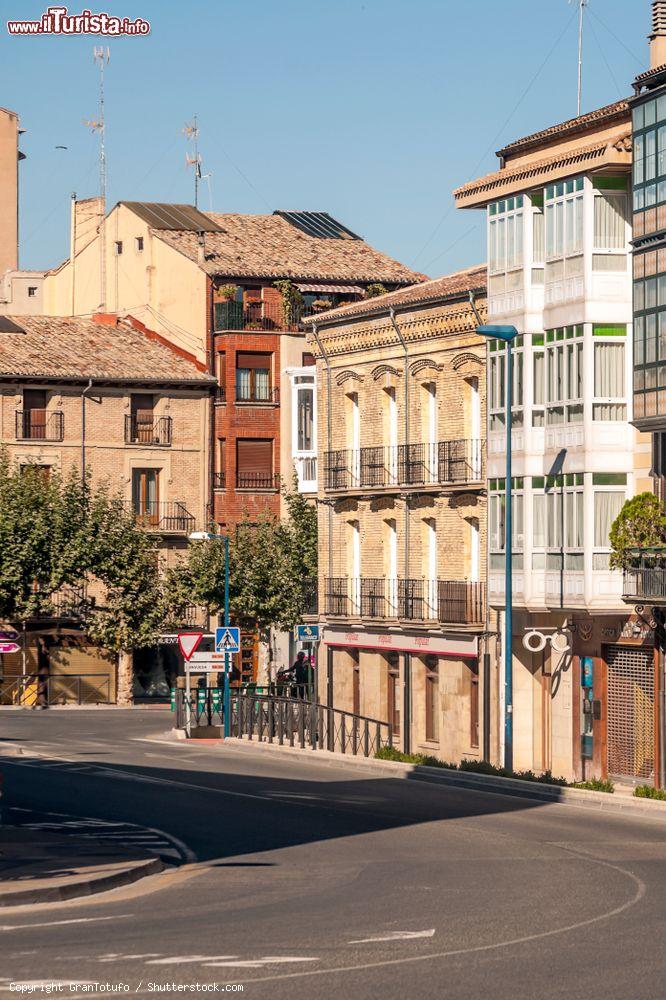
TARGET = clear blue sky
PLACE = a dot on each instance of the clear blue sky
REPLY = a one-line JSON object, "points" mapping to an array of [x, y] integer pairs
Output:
{"points": [[372, 110]]}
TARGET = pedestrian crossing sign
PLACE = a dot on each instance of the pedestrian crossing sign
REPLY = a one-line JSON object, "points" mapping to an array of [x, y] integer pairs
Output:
{"points": [[227, 640]]}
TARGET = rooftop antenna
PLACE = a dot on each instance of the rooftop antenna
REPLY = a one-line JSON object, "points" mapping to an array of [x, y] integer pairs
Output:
{"points": [[582, 4], [191, 130], [207, 177], [101, 56]]}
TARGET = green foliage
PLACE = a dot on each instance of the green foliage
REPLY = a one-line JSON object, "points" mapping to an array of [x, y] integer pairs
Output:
{"points": [[292, 301], [372, 291], [227, 292], [595, 785], [473, 766], [648, 792], [640, 524], [271, 563]]}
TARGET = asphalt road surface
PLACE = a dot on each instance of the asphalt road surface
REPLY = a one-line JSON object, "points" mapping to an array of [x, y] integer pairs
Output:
{"points": [[296, 880]]}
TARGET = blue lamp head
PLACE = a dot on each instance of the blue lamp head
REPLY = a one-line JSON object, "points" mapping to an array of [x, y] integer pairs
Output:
{"points": [[505, 333]]}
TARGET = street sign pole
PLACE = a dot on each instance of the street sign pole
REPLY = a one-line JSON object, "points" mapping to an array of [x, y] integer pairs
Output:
{"points": [[227, 691]]}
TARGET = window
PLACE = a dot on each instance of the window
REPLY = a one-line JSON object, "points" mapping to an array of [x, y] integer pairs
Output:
{"points": [[142, 419], [505, 234], [558, 522], [497, 381], [431, 699], [564, 218], [496, 515], [564, 375], [649, 142], [611, 211], [609, 496], [253, 378], [305, 418], [393, 691], [119, 247], [32, 291], [145, 494], [609, 373], [538, 380], [34, 418], [138, 244], [221, 371], [254, 464], [221, 474], [538, 230]]}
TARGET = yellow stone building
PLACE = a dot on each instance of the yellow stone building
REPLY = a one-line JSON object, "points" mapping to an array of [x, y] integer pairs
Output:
{"points": [[402, 513]]}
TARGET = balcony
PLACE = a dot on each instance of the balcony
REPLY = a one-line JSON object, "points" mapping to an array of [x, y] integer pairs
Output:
{"points": [[169, 517], [150, 433], [645, 580], [306, 473], [390, 466], [258, 481], [220, 394], [257, 395], [259, 316], [40, 425], [446, 602], [219, 481]]}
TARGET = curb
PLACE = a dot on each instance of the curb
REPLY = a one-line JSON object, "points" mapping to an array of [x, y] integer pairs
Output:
{"points": [[489, 784], [77, 890]]}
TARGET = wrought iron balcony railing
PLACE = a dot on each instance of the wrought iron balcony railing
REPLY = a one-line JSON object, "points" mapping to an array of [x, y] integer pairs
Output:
{"points": [[148, 432], [257, 394], [40, 425], [451, 602], [385, 466], [168, 516], [645, 578], [257, 481], [219, 481]]}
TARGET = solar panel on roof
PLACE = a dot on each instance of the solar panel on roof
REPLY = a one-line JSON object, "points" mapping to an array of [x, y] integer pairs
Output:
{"points": [[318, 224], [6, 326], [160, 215]]}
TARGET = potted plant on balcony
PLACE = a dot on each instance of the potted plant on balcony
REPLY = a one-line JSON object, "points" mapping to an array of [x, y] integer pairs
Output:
{"points": [[372, 291], [228, 311], [321, 305], [292, 302]]}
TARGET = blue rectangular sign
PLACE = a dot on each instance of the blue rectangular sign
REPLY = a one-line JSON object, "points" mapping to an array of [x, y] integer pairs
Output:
{"points": [[586, 672], [307, 633], [227, 640]]}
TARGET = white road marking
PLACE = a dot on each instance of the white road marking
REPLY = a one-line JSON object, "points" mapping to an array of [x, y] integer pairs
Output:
{"points": [[396, 936], [185, 959], [259, 963], [127, 958], [59, 923]]}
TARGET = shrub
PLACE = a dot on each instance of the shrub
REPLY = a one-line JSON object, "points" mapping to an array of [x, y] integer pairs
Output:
{"points": [[595, 785], [640, 524], [227, 292], [648, 792]]}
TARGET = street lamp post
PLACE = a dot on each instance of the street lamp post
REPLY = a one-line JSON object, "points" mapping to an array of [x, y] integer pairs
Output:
{"points": [[208, 536], [507, 334]]}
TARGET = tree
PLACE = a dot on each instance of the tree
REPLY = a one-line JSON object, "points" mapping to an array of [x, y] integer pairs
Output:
{"points": [[640, 524]]}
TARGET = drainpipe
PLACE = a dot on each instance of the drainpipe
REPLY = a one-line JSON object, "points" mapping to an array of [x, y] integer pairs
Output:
{"points": [[83, 427]]}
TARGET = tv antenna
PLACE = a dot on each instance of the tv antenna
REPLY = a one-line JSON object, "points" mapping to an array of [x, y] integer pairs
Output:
{"points": [[101, 56], [191, 131], [582, 4]]}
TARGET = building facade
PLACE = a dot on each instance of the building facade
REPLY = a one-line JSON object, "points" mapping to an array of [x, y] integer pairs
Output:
{"points": [[105, 394], [402, 513], [559, 251]]}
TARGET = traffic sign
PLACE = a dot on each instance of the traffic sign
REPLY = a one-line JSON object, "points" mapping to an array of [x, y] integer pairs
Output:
{"points": [[227, 640], [307, 633], [9, 635], [208, 657], [9, 647], [188, 642]]}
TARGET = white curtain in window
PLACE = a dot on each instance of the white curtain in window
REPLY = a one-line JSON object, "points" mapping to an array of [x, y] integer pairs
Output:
{"points": [[610, 218], [539, 521], [609, 379], [262, 383], [554, 509], [607, 506], [539, 377], [538, 233], [243, 383]]}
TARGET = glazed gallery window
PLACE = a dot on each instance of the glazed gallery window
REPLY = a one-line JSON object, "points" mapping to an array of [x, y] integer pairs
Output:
{"points": [[497, 382], [609, 372], [564, 375], [611, 213], [609, 496], [649, 337], [558, 522], [505, 234], [564, 218], [496, 525], [649, 154]]}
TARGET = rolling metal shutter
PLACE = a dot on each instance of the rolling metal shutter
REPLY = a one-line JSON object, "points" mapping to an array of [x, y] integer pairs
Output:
{"points": [[630, 731]]}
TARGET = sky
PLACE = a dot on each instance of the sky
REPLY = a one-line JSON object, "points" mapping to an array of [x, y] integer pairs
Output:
{"points": [[372, 110]]}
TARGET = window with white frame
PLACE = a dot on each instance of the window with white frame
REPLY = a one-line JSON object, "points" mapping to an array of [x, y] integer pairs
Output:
{"points": [[564, 218], [539, 380], [497, 382], [609, 496], [505, 234], [611, 213], [558, 522], [564, 375], [497, 514], [610, 402]]}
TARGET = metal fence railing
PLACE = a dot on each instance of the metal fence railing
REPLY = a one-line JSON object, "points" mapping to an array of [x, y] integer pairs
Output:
{"points": [[157, 431], [456, 602], [40, 425], [55, 689], [286, 721], [383, 466]]}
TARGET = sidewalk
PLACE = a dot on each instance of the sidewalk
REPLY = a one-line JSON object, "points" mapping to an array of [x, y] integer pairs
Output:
{"points": [[40, 867]]}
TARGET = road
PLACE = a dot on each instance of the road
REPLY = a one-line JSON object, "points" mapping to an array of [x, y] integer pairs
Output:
{"points": [[297, 880]]}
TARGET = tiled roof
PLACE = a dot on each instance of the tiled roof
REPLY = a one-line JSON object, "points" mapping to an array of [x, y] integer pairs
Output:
{"points": [[267, 246], [574, 158], [619, 109], [73, 348], [654, 71], [435, 290]]}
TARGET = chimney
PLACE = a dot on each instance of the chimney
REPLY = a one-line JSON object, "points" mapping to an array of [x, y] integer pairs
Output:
{"points": [[201, 255], [658, 36]]}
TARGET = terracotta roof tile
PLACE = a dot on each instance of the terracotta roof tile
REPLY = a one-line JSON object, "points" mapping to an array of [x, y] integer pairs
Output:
{"points": [[267, 246], [617, 110], [448, 286], [73, 348], [655, 71]]}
